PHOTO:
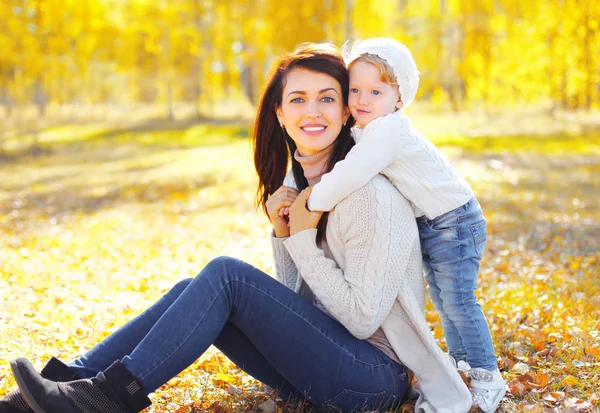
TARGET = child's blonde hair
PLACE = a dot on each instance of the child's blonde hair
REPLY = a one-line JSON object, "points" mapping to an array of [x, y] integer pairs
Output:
{"points": [[394, 60], [386, 71]]}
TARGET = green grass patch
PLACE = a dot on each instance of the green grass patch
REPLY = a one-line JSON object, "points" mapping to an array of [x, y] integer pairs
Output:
{"points": [[544, 144]]}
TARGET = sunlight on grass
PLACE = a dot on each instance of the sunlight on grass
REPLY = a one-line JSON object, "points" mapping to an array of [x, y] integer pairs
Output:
{"points": [[97, 228], [550, 145]]}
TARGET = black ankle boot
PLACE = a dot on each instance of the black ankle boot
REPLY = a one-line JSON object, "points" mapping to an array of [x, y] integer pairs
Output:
{"points": [[55, 370], [115, 390]]}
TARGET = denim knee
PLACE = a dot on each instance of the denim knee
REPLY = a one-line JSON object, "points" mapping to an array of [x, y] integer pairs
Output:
{"points": [[181, 285], [225, 266], [458, 304]]}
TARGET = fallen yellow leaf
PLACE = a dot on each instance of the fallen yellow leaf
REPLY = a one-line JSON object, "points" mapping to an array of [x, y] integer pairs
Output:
{"points": [[593, 352], [570, 380]]}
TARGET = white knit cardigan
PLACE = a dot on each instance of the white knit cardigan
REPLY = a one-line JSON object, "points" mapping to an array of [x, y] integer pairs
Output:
{"points": [[376, 281], [389, 145]]}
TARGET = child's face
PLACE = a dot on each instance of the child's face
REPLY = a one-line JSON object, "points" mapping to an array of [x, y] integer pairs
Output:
{"points": [[370, 98]]}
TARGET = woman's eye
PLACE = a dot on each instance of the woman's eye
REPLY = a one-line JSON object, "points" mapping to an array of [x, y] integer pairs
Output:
{"points": [[296, 100], [327, 99], [354, 90], [376, 92]]}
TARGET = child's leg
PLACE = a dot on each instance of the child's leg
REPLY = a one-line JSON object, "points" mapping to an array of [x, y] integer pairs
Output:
{"points": [[455, 243], [455, 346]]}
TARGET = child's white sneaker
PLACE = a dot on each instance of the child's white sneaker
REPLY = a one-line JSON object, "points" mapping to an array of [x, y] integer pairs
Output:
{"points": [[463, 366], [487, 388]]}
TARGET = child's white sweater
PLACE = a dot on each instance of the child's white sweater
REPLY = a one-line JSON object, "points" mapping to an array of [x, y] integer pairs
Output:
{"points": [[388, 145]]}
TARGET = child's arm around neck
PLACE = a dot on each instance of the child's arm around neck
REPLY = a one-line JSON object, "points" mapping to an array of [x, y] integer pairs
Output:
{"points": [[376, 149]]}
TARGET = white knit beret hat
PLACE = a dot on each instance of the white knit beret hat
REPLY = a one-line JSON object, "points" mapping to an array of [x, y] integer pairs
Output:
{"points": [[396, 54]]}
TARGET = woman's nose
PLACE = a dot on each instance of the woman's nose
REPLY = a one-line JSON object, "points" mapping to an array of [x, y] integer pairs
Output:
{"points": [[313, 111]]}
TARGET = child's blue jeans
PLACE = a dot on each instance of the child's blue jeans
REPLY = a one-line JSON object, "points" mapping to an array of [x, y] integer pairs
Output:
{"points": [[266, 329], [452, 246]]}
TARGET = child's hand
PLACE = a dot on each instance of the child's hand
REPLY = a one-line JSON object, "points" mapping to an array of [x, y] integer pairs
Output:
{"points": [[300, 217], [284, 212]]}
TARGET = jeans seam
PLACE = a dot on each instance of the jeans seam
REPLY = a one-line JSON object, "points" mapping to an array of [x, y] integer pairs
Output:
{"points": [[470, 315], [188, 335]]}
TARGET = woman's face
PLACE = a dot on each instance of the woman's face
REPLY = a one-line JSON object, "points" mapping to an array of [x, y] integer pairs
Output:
{"points": [[312, 110]]}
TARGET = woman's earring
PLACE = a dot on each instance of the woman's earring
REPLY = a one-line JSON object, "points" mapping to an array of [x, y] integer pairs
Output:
{"points": [[282, 125]]}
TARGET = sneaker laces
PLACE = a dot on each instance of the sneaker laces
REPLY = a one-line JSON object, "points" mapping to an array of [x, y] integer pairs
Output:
{"points": [[479, 396]]}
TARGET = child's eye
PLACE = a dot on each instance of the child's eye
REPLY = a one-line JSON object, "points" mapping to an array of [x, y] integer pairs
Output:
{"points": [[376, 92], [328, 99], [296, 100], [354, 90]]}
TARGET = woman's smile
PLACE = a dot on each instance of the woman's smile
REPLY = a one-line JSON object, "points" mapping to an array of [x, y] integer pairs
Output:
{"points": [[313, 129]]}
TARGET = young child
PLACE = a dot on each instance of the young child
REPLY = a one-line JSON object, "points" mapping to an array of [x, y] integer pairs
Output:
{"points": [[383, 80]]}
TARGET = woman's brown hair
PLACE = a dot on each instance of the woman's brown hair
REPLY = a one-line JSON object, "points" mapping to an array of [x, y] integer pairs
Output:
{"points": [[273, 147]]}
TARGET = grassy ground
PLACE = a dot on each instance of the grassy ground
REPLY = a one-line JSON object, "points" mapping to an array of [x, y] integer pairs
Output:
{"points": [[102, 221]]}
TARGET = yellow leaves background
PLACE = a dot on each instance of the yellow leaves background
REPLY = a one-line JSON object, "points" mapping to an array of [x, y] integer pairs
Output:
{"points": [[471, 53]]}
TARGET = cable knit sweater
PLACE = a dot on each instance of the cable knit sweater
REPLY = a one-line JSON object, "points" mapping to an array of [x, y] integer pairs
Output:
{"points": [[375, 281], [388, 145]]}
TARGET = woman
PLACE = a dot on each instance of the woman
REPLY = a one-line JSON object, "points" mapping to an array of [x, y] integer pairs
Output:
{"points": [[346, 318]]}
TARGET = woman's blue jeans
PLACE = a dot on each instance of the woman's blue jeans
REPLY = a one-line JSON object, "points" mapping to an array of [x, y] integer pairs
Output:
{"points": [[266, 329], [452, 246]]}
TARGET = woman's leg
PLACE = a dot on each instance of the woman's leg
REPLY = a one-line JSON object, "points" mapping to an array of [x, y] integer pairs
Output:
{"points": [[230, 341], [242, 352], [126, 338], [313, 352]]}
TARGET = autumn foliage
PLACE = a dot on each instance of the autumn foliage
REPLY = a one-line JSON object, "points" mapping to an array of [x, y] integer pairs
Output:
{"points": [[471, 53], [103, 221]]}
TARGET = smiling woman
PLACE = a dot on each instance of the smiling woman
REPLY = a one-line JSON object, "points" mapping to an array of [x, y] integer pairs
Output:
{"points": [[340, 324], [312, 110]]}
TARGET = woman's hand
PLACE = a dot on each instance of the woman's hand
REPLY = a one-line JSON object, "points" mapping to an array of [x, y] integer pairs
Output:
{"points": [[300, 217], [282, 198]]}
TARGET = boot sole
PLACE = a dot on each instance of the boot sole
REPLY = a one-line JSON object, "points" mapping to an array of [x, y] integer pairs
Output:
{"points": [[24, 389]]}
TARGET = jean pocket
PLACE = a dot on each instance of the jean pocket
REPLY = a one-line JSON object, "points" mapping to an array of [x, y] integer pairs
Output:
{"points": [[479, 232], [355, 401], [446, 222]]}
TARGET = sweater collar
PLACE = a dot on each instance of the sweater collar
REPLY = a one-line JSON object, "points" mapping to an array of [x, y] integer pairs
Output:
{"points": [[314, 165]]}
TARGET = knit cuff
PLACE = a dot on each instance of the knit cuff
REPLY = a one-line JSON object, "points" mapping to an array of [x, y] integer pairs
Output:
{"points": [[277, 241], [301, 244], [285, 268]]}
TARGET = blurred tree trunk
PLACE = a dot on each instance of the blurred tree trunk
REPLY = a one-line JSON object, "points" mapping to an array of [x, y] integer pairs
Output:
{"points": [[588, 90], [41, 97], [170, 110], [457, 86], [197, 63], [168, 69], [7, 101], [349, 26], [203, 18]]}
